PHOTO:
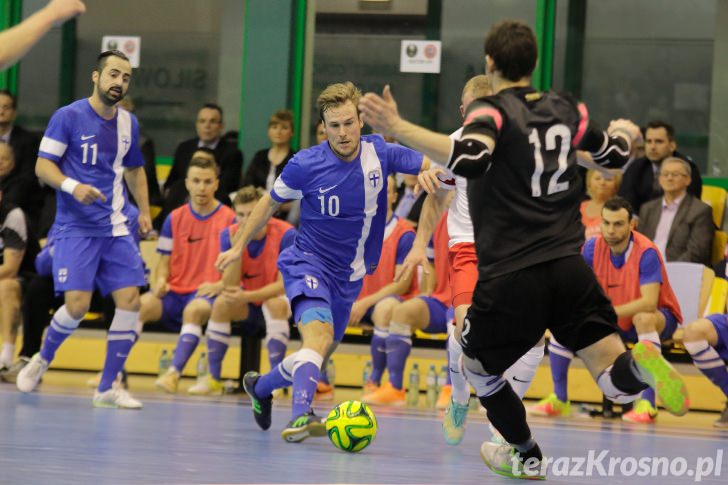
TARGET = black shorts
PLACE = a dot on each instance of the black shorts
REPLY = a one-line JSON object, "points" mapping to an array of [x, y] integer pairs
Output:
{"points": [[510, 313]]}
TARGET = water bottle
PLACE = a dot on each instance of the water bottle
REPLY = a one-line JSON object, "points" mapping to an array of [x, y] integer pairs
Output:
{"points": [[431, 386], [413, 391], [366, 373], [164, 362], [202, 367], [442, 379], [330, 372]]}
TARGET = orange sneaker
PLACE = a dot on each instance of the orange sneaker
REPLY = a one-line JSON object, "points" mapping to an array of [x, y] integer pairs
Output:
{"points": [[369, 388], [324, 392], [444, 398], [387, 395], [642, 413]]}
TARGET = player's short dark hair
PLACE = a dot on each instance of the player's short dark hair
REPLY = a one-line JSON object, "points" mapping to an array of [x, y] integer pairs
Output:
{"points": [[13, 98], [214, 106], [512, 46], [657, 124], [104, 57], [205, 163], [616, 203], [247, 194]]}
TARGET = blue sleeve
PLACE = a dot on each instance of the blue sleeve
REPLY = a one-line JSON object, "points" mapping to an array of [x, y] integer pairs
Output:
{"points": [[403, 160], [225, 243], [56, 137], [650, 268], [287, 239], [133, 157], [404, 245], [290, 183], [166, 241], [588, 252]]}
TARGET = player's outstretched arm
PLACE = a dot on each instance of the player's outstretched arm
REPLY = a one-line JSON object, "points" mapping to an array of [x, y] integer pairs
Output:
{"points": [[262, 212], [136, 180], [431, 212], [17, 41], [380, 112], [49, 173]]}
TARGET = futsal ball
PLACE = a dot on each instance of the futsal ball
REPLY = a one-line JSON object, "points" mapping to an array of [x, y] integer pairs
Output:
{"points": [[351, 426]]}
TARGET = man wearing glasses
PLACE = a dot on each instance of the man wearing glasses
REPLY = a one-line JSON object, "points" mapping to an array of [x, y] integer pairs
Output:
{"points": [[679, 224]]}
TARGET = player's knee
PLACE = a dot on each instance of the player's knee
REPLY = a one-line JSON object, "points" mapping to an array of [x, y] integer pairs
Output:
{"points": [[278, 307], [697, 330], [197, 312], [221, 311], [128, 300], [404, 313]]}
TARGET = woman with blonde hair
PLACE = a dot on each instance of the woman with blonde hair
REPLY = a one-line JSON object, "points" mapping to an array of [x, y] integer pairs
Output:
{"points": [[600, 188]]}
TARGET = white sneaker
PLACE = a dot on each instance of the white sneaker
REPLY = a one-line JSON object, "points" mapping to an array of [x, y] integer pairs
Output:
{"points": [[115, 398], [206, 386], [503, 460], [30, 375]]}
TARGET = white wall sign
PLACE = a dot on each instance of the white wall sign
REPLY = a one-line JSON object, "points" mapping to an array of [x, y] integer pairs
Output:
{"points": [[420, 56], [131, 46]]}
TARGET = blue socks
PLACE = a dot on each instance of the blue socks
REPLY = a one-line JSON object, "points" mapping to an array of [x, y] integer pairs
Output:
{"points": [[62, 326], [305, 379], [560, 358], [379, 354], [218, 340], [119, 341], [398, 349], [187, 343], [707, 359]]}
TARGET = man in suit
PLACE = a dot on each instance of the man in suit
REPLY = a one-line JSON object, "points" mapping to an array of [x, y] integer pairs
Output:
{"points": [[209, 127], [679, 224], [24, 153], [640, 182]]}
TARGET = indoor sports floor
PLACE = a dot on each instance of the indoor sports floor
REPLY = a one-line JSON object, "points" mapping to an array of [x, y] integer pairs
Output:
{"points": [[54, 436]]}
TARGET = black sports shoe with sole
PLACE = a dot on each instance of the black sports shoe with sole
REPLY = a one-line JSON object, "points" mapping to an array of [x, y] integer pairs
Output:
{"points": [[261, 407]]}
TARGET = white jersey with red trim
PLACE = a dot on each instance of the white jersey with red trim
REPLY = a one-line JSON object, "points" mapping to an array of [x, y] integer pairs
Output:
{"points": [[459, 224]]}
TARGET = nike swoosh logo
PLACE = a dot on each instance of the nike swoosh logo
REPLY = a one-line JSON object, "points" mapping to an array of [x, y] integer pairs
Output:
{"points": [[323, 191], [519, 380], [313, 379], [122, 356], [613, 286], [87, 137], [193, 240], [250, 276]]}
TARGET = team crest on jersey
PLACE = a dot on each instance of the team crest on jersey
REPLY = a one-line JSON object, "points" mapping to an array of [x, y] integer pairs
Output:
{"points": [[125, 141], [374, 177], [62, 275], [311, 281]]}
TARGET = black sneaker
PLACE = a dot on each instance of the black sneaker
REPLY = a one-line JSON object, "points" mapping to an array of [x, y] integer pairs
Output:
{"points": [[304, 426], [262, 408]]}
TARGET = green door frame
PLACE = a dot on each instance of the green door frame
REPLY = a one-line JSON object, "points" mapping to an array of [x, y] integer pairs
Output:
{"points": [[545, 33], [11, 12], [298, 52]]}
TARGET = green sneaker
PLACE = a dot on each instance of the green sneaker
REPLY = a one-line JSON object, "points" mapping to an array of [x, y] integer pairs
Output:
{"points": [[504, 461], [661, 376], [551, 407], [304, 426], [453, 423]]}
